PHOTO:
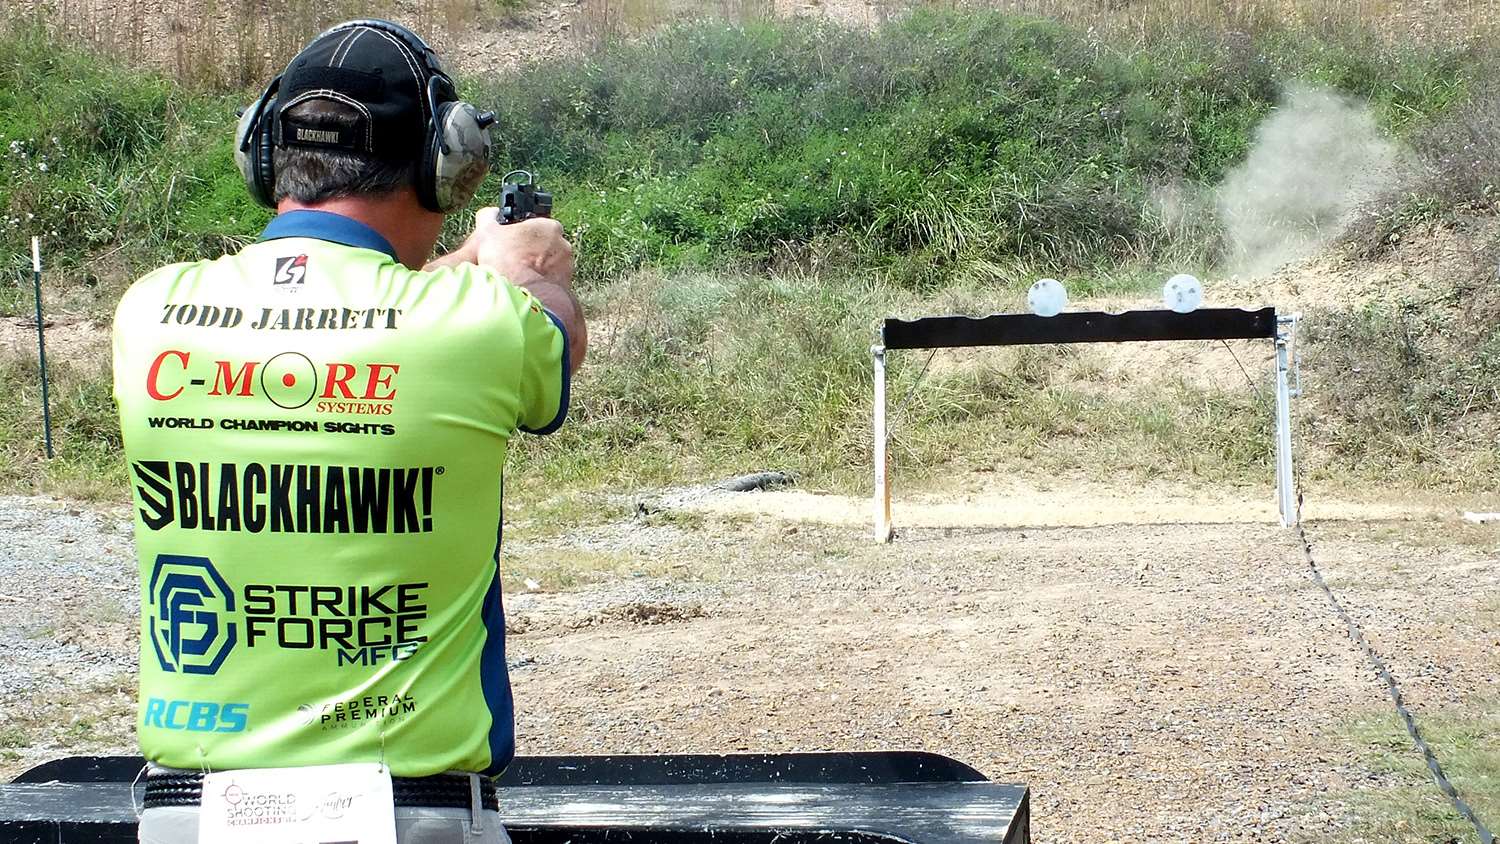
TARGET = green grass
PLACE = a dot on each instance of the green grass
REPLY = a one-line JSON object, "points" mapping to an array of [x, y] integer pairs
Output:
{"points": [[91, 717], [1411, 382], [946, 146], [748, 201], [702, 377], [85, 430], [116, 170], [696, 377], [1405, 805]]}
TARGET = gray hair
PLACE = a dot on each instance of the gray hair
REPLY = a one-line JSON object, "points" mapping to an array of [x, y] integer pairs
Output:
{"points": [[310, 175]]}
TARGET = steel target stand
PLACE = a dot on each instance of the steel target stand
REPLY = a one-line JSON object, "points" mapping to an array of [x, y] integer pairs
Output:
{"points": [[949, 332]]}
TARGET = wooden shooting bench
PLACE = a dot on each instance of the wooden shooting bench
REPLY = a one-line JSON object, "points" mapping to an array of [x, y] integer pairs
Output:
{"points": [[738, 799]]}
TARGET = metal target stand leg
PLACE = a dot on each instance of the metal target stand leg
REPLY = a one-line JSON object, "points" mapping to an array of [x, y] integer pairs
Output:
{"points": [[1286, 484], [883, 529]]}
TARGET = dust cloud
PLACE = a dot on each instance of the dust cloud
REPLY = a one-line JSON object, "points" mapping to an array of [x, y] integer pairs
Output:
{"points": [[1314, 160]]}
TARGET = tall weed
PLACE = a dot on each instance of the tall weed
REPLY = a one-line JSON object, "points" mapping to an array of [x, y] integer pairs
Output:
{"points": [[115, 169], [86, 432]]}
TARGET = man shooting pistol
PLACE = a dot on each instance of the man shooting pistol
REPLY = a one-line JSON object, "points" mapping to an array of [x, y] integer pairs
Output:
{"points": [[316, 428]]}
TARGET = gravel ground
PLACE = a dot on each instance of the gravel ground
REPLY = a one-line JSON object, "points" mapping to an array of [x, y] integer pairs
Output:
{"points": [[67, 594], [1160, 683], [68, 616], [1150, 683]]}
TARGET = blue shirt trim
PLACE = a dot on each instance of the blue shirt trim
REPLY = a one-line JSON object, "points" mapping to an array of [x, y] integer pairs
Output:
{"points": [[326, 225], [567, 379], [494, 681], [494, 670]]}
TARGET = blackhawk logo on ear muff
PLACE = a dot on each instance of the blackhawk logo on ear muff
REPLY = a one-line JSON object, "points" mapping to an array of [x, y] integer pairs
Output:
{"points": [[455, 146]]}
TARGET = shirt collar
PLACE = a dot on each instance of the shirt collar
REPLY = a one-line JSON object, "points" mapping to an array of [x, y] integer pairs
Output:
{"points": [[326, 225]]}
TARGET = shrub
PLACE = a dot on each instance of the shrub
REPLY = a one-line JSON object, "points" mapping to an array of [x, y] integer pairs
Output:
{"points": [[944, 145]]}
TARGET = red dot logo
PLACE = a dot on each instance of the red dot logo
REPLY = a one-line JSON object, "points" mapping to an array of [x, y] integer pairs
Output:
{"points": [[289, 380]]}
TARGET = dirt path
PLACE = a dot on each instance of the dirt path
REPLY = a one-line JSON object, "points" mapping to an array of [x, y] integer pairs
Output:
{"points": [[76, 341], [981, 500], [1162, 682]]}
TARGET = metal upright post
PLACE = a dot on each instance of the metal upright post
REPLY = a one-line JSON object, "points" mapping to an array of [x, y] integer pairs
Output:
{"points": [[1286, 492], [41, 342], [882, 475]]}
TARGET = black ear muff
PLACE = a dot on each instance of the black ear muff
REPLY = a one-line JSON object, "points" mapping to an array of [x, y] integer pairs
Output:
{"points": [[254, 150]]}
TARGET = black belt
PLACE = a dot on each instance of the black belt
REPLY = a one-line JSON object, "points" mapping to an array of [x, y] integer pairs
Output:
{"points": [[443, 791]]}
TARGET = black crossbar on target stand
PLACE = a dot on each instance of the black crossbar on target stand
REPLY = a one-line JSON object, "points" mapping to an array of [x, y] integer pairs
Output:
{"points": [[951, 332]]}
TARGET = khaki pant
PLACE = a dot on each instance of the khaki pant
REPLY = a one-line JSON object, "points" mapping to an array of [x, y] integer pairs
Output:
{"points": [[414, 825]]}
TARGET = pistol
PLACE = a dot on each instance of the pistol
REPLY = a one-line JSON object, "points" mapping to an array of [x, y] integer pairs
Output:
{"points": [[522, 200]]}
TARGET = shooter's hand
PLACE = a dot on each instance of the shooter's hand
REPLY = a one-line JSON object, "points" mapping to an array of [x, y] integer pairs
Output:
{"points": [[532, 254], [526, 251]]}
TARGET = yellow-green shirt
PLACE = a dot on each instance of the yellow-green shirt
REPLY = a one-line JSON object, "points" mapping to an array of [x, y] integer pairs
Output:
{"points": [[316, 436]]}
